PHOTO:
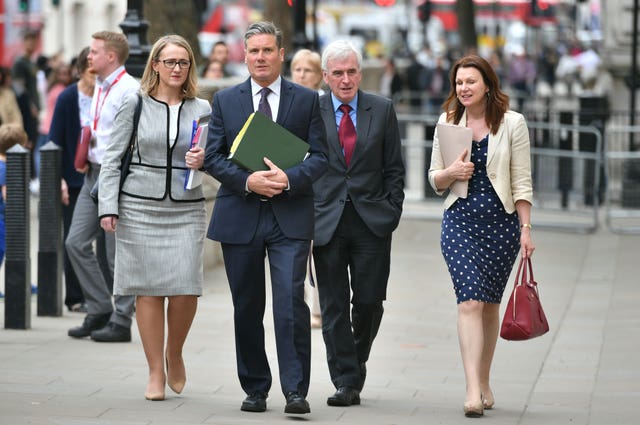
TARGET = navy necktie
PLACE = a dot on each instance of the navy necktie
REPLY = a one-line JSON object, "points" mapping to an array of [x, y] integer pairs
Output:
{"points": [[347, 133], [263, 105]]}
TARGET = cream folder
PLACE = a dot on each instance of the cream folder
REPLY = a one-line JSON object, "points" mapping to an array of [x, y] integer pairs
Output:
{"points": [[453, 139]]}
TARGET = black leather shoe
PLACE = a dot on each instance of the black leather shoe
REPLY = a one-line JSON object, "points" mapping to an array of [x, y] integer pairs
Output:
{"points": [[296, 404], [345, 396], [112, 333], [255, 402], [91, 323], [78, 307]]}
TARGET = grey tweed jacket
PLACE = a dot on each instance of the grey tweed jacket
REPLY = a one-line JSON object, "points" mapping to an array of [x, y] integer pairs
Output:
{"points": [[158, 168]]}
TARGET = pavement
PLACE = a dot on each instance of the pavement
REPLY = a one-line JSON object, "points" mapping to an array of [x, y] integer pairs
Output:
{"points": [[584, 371]]}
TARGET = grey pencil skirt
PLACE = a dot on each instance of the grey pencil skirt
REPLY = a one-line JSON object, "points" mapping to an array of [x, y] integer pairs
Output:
{"points": [[159, 247]]}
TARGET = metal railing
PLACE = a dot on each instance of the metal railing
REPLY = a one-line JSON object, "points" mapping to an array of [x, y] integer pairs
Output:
{"points": [[622, 167], [567, 164]]}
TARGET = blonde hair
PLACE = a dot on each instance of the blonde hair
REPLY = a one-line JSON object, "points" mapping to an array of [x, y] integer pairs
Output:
{"points": [[11, 134], [313, 58], [115, 42], [150, 78]]}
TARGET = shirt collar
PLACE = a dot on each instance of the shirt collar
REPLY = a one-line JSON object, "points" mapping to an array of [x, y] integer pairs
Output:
{"points": [[337, 103], [107, 82], [275, 86]]}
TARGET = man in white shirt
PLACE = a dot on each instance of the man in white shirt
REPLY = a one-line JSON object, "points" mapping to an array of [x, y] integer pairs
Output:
{"points": [[108, 52]]}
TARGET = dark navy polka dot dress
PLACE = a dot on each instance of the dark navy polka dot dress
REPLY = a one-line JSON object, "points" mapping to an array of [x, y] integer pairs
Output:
{"points": [[479, 240]]}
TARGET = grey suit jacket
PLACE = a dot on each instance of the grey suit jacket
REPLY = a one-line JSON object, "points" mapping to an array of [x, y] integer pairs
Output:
{"points": [[374, 180], [158, 169]]}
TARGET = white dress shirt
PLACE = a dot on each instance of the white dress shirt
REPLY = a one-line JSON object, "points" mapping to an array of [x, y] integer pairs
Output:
{"points": [[108, 96]]}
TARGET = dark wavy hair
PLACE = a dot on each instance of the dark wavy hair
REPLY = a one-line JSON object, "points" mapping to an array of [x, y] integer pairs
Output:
{"points": [[497, 100]]}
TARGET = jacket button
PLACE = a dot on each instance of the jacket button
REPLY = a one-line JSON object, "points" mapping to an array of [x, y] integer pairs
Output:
{"points": [[492, 176]]}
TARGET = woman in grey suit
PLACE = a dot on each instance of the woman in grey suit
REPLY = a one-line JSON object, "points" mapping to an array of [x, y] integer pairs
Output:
{"points": [[159, 225], [482, 233]]}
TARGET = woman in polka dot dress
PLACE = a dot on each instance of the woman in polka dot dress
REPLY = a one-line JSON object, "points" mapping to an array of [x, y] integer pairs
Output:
{"points": [[482, 233]]}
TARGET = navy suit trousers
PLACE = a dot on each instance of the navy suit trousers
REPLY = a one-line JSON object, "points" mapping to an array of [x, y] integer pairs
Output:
{"points": [[245, 267]]}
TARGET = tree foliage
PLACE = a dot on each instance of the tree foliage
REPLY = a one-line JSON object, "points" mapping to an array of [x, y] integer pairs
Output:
{"points": [[174, 17]]}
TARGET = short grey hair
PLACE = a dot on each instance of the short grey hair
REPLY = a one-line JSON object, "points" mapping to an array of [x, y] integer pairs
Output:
{"points": [[263, 27], [340, 49]]}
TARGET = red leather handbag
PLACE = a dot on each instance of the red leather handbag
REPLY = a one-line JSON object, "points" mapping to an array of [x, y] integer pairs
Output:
{"points": [[524, 317]]}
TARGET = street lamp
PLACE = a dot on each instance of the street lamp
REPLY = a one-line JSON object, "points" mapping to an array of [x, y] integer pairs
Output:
{"points": [[135, 28], [300, 40]]}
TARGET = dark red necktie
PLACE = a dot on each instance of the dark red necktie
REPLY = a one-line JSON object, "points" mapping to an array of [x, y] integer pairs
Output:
{"points": [[263, 105], [347, 133]]}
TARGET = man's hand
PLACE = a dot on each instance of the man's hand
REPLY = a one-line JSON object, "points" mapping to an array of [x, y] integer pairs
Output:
{"points": [[268, 183], [280, 175], [83, 170]]}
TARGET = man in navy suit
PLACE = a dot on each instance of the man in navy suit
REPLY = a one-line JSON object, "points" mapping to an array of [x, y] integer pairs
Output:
{"points": [[267, 212], [358, 204]]}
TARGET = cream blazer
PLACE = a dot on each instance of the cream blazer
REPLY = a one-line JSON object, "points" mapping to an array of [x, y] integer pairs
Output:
{"points": [[508, 161]]}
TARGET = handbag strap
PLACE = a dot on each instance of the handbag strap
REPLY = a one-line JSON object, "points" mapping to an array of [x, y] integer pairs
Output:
{"points": [[134, 137], [524, 275], [519, 275], [527, 275], [136, 120]]}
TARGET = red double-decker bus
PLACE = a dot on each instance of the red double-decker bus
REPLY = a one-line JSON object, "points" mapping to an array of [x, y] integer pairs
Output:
{"points": [[13, 21], [532, 13], [500, 24]]}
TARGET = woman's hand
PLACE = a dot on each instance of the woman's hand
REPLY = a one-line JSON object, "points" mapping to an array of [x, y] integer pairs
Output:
{"points": [[194, 158], [461, 169], [109, 223], [64, 192], [526, 244]]}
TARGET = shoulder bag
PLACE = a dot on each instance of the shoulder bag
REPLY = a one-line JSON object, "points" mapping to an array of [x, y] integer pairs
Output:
{"points": [[125, 162]]}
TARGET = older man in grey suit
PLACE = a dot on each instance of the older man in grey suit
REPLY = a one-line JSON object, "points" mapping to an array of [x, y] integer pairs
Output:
{"points": [[358, 204]]}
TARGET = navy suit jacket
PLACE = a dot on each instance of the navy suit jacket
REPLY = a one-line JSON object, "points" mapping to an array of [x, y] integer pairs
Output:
{"points": [[236, 212], [374, 179], [64, 132]]}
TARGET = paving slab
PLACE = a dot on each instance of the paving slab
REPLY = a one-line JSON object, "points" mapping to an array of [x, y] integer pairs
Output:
{"points": [[583, 372]]}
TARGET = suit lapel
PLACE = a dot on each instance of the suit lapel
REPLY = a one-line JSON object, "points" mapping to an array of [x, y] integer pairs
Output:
{"points": [[286, 100], [245, 98], [329, 117], [494, 141], [364, 117]]}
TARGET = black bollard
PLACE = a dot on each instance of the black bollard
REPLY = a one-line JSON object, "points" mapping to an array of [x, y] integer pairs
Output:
{"points": [[17, 269], [50, 232], [594, 110]]}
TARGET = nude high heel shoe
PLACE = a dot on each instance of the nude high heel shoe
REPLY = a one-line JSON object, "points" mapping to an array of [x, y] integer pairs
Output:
{"points": [[155, 395], [176, 385], [474, 410], [488, 402]]}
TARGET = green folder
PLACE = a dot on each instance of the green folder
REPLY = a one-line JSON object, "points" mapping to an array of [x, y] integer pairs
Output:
{"points": [[261, 137]]}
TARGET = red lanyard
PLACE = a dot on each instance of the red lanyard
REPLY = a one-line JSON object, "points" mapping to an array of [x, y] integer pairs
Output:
{"points": [[96, 116]]}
